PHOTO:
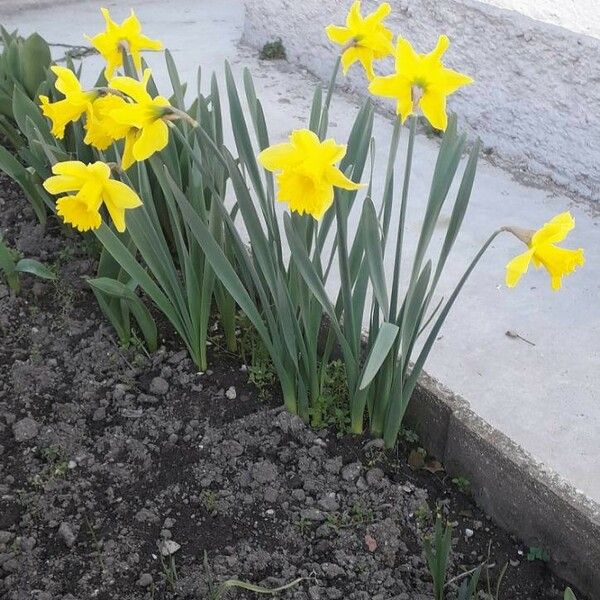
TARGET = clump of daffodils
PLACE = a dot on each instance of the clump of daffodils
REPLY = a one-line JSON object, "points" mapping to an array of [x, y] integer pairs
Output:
{"points": [[122, 111], [420, 84]]}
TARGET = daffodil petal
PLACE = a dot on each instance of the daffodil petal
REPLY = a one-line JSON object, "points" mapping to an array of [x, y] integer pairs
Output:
{"points": [[60, 184], [339, 35], [433, 106], [153, 138], [130, 139], [338, 179], [277, 157], [74, 168], [517, 267], [121, 195], [555, 230], [354, 18]]}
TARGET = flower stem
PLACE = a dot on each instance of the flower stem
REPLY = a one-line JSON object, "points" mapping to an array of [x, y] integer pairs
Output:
{"points": [[334, 75]]}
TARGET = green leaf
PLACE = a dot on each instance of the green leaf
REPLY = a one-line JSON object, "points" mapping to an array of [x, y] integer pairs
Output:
{"points": [[18, 173], [35, 59], [33, 267], [569, 594], [379, 352], [112, 287], [7, 266], [219, 262], [116, 289], [374, 252], [235, 583], [24, 108]]}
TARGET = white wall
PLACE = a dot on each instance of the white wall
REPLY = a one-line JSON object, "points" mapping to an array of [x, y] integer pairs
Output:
{"points": [[581, 16], [536, 101]]}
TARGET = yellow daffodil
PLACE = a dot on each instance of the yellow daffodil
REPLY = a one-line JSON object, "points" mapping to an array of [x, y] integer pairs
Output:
{"points": [[543, 252], [124, 37], [101, 129], [93, 186], [421, 81], [364, 39], [308, 172], [147, 131], [75, 103]]}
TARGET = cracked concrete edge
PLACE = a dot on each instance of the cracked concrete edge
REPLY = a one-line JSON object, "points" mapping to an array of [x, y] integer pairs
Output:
{"points": [[517, 492]]}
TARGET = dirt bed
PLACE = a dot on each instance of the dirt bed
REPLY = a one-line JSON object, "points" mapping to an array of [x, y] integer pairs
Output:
{"points": [[111, 458]]}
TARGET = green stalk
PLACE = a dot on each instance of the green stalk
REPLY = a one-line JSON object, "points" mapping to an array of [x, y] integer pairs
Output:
{"points": [[288, 390], [388, 193], [332, 81], [402, 217]]}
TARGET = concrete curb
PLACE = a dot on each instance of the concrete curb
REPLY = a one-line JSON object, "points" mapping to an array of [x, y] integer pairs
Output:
{"points": [[518, 493], [525, 70]]}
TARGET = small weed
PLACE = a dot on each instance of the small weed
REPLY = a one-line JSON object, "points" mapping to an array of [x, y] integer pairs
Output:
{"points": [[169, 570], [537, 553], [361, 514], [64, 297], [410, 437], [463, 484], [437, 552], [423, 514], [261, 373], [376, 455], [58, 465], [273, 51], [331, 409], [95, 543], [303, 525], [208, 498]]}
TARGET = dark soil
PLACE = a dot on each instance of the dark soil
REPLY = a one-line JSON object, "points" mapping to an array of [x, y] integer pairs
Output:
{"points": [[108, 453]]}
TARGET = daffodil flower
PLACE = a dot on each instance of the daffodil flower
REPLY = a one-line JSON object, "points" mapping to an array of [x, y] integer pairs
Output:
{"points": [[101, 129], [365, 39], [75, 103], [116, 38], [147, 131], [421, 81], [307, 172], [544, 253], [93, 187]]}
